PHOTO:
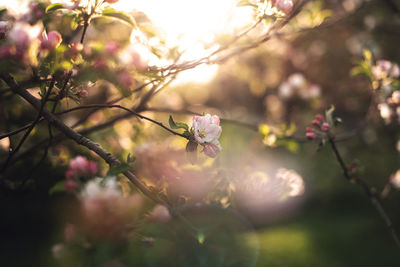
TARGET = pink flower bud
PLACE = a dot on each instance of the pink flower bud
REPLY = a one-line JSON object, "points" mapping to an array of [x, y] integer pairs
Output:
{"points": [[160, 213], [325, 127], [285, 5], [309, 129], [125, 79], [396, 97], [112, 48], [319, 117], [311, 135], [212, 150], [52, 42], [92, 166], [74, 50], [3, 29], [7, 51], [83, 93], [316, 123], [100, 64]]}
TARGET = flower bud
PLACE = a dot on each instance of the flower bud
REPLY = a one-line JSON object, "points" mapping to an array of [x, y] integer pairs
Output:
{"points": [[311, 135], [52, 42], [319, 117], [160, 213], [3, 29], [316, 123], [212, 150], [285, 5], [396, 97], [83, 93], [112, 48], [325, 127], [125, 80], [309, 129]]}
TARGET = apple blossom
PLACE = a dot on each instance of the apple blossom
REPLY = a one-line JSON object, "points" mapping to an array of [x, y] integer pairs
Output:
{"points": [[285, 5], [395, 180], [22, 34], [384, 69], [160, 213], [396, 97], [125, 79], [293, 180], [81, 166], [52, 41], [3, 29], [206, 128]]}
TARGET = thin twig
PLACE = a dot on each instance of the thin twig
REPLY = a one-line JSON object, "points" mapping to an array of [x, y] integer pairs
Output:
{"points": [[371, 193], [29, 130]]}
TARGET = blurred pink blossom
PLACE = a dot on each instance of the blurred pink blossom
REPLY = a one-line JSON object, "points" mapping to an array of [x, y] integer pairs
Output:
{"points": [[52, 41], [160, 213], [385, 69]]}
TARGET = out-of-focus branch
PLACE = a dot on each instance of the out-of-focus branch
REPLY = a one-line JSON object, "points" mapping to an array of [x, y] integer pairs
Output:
{"points": [[79, 138], [371, 193], [29, 130]]}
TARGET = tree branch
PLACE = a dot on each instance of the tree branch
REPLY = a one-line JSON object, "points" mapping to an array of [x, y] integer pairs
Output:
{"points": [[371, 193]]}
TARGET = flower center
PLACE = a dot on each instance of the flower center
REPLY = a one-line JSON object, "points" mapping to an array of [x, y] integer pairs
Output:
{"points": [[202, 133]]}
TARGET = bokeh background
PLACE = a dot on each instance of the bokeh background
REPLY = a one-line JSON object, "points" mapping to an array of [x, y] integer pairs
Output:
{"points": [[332, 224]]}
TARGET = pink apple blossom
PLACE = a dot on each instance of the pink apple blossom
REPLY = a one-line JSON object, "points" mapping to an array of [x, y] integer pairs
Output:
{"points": [[384, 69], [206, 128], [3, 29], [52, 41], [285, 5], [396, 97], [395, 180], [160, 213]]}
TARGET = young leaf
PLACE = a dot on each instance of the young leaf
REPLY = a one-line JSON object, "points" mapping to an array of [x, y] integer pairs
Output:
{"points": [[54, 7], [110, 12], [58, 187], [117, 169], [177, 125]]}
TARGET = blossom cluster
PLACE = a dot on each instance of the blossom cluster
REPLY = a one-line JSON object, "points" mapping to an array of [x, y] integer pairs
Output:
{"points": [[275, 7], [296, 85], [319, 125], [385, 75], [207, 130], [79, 167]]}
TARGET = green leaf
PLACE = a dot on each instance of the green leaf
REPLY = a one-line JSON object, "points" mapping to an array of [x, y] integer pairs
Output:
{"points": [[110, 12], [177, 125], [117, 169], [58, 187], [191, 146], [2, 11], [191, 151], [54, 7]]}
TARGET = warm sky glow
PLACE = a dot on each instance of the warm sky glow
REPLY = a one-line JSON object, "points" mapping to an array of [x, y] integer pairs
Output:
{"points": [[190, 24]]}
